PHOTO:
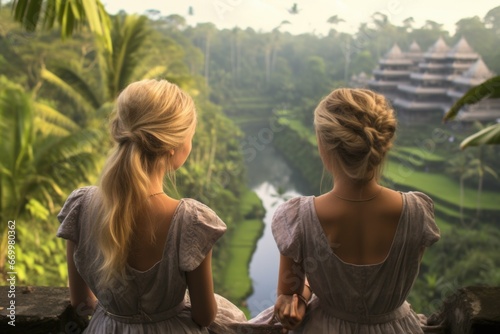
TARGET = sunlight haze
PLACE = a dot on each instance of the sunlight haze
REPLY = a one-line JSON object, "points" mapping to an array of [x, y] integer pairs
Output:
{"points": [[312, 16]]}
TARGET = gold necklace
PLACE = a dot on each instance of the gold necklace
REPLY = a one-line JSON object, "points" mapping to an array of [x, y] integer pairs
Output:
{"points": [[358, 200], [152, 195]]}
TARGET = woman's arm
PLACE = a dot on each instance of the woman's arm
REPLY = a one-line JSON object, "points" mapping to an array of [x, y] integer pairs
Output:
{"points": [[291, 303], [201, 292], [81, 297]]}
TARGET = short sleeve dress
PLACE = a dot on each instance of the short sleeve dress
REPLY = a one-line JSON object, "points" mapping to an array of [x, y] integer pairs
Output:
{"points": [[152, 301], [363, 299]]}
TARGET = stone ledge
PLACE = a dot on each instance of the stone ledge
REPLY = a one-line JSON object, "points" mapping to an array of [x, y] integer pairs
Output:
{"points": [[38, 310], [471, 310], [44, 310]]}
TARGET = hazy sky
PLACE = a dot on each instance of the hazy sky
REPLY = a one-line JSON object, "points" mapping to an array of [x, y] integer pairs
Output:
{"points": [[313, 14]]}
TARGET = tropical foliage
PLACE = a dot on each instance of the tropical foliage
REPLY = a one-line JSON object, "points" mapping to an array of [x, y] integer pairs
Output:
{"points": [[489, 89], [55, 97], [69, 15], [53, 118], [281, 79]]}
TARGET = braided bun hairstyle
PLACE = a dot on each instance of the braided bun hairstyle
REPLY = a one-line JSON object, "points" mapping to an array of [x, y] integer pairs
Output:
{"points": [[355, 130], [151, 118]]}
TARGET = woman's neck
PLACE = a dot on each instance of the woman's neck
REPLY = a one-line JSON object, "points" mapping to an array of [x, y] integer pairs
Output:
{"points": [[156, 183], [347, 189]]}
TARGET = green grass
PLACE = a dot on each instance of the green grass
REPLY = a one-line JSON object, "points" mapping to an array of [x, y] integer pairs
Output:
{"points": [[417, 153], [249, 201], [444, 226], [415, 161], [236, 276], [447, 211], [439, 186], [300, 130], [249, 119]]}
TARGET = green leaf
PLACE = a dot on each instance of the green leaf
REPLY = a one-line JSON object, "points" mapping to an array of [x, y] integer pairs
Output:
{"points": [[63, 270], [70, 14], [487, 136], [68, 90], [37, 210], [51, 118], [488, 89], [40, 270]]}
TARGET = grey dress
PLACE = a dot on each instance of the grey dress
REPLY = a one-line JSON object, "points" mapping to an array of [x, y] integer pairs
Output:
{"points": [[364, 299], [155, 300]]}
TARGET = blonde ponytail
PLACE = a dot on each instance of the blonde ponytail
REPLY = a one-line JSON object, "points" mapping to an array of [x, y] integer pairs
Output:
{"points": [[151, 119]]}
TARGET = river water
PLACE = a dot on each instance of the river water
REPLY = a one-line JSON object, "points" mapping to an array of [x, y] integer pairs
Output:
{"points": [[274, 182]]}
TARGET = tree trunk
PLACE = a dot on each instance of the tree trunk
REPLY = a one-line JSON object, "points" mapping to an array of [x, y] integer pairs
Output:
{"points": [[238, 58], [347, 60], [479, 192], [207, 58], [267, 56], [213, 150], [462, 200], [274, 55], [232, 45], [480, 183]]}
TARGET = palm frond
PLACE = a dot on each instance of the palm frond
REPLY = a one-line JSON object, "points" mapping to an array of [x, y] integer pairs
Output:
{"points": [[99, 22], [70, 91], [154, 72], [487, 136], [130, 32], [488, 89], [70, 15], [73, 76], [48, 128], [50, 121], [17, 112]]}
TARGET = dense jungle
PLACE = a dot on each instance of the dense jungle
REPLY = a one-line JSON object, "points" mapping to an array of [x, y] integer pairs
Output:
{"points": [[56, 94]]}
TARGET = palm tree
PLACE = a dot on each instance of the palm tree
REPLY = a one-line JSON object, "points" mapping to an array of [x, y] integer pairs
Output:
{"points": [[235, 52], [294, 10], [208, 30], [460, 166], [70, 15], [334, 20], [408, 24], [481, 170], [117, 68], [271, 47], [43, 153]]}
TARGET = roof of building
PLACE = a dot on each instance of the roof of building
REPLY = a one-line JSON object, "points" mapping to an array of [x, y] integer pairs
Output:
{"points": [[478, 70], [475, 75], [462, 50], [439, 48], [394, 53], [414, 47]]}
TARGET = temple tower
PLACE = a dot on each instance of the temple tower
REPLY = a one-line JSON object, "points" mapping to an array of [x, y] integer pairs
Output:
{"points": [[394, 69]]}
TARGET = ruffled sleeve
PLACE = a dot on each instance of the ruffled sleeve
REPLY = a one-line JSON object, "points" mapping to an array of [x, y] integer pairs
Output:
{"points": [[69, 215], [430, 231], [287, 228], [201, 228]]}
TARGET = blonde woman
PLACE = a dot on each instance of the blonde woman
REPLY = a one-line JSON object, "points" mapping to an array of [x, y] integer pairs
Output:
{"points": [[360, 244], [132, 250]]}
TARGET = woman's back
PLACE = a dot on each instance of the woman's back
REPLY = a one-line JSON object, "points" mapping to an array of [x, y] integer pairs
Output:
{"points": [[360, 231], [146, 251], [152, 299], [352, 294]]}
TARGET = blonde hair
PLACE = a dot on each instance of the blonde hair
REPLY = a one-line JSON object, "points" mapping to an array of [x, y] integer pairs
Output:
{"points": [[151, 118], [355, 130]]}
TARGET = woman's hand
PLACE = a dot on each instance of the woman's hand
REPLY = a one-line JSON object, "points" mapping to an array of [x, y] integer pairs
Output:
{"points": [[290, 310]]}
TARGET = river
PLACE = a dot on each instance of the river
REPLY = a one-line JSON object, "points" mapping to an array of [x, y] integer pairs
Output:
{"points": [[274, 182]]}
